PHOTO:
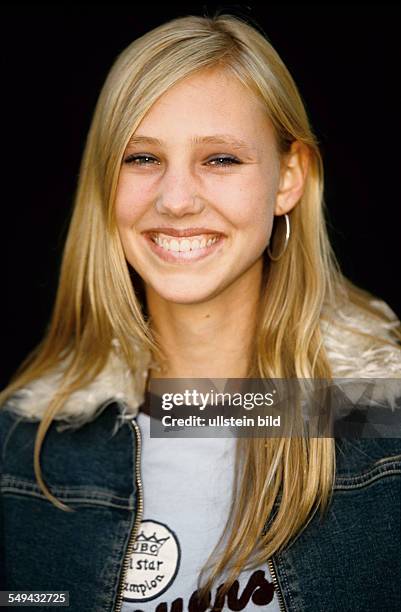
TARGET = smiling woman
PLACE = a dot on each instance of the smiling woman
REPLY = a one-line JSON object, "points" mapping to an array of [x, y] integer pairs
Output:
{"points": [[198, 249]]}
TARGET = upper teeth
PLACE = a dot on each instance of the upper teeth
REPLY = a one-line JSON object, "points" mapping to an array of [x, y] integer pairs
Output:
{"points": [[184, 244]]}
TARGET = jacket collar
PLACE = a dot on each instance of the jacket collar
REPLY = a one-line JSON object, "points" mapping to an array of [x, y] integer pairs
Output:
{"points": [[350, 354]]}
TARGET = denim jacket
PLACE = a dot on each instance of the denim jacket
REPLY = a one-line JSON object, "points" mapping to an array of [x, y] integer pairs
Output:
{"points": [[349, 561], [346, 561]]}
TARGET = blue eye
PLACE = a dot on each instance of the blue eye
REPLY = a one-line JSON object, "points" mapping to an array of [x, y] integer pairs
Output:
{"points": [[139, 160], [224, 161], [145, 160]]}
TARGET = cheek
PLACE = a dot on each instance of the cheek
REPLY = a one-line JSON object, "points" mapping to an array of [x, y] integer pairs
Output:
{"points": [[251, 207], [131, 202]]}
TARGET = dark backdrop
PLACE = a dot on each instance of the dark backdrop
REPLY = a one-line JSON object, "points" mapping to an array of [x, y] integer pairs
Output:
{"points": [[344, 58]]}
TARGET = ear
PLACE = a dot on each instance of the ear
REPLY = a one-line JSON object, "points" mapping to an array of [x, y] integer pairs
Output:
{"points": [[293, 172]]}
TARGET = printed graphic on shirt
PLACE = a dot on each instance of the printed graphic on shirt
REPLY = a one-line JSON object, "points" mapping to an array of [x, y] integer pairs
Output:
{"points": [[257, 591], [154, 562]]}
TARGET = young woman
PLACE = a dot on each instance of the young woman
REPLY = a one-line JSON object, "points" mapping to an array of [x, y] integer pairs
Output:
{"points": [[198, 249]]}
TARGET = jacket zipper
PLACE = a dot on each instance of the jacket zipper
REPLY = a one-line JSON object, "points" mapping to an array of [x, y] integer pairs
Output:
{"points": [[276, 586], [138, 518]]}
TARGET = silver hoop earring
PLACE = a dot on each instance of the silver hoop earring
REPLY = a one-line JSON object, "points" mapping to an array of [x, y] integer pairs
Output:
{"points": [[287, 237]]}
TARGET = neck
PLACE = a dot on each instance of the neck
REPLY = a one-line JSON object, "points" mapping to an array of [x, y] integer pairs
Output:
{"points": [[211, 339]]}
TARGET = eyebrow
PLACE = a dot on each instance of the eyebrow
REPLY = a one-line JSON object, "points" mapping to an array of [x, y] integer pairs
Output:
{"points": [[218, 139]]}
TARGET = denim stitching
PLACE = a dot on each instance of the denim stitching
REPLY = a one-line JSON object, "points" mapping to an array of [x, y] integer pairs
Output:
{"points": [[78, 501], [360, 480], [10, 484], [286, 586]]}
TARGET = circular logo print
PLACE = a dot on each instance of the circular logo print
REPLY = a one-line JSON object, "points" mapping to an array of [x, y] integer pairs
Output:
{"points": [[154, 562]]}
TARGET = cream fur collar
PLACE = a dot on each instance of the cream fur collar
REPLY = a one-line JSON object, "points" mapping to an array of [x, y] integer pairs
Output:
{"points": [[350, 355]]}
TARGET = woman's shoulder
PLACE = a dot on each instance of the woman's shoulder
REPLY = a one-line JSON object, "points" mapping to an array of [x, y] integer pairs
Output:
{"points": [[7, 420], [362, 338], [114, 383], [361, 462]]}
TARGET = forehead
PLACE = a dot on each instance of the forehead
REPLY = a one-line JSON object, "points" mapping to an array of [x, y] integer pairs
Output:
{"points": [[211, 101]]}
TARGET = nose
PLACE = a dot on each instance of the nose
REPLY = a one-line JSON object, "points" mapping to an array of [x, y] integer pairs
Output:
{"points": [[179, 194]]}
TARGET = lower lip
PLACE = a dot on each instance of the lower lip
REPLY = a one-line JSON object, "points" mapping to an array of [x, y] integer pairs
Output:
{"points": [[183, 256]]}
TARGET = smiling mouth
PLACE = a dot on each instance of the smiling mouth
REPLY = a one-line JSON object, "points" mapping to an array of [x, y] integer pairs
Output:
{"points": [[184, 245], [183, 250]]}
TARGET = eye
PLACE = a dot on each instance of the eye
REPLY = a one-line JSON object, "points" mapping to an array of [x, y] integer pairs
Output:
{"points": [[137, 159], [223, 160]]}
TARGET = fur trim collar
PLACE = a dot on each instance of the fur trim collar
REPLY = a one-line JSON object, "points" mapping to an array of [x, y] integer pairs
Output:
{"points": [[350, 355]]}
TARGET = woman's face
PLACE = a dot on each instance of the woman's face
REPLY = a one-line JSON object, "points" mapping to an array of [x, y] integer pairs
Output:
{"points": [[197, 189]]}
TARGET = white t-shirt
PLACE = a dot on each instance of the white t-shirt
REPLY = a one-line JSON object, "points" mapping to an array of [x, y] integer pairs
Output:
{"points": [[187, 484]]}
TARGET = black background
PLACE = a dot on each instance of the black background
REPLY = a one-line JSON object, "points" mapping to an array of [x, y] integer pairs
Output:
{"points": [[344, 59]]}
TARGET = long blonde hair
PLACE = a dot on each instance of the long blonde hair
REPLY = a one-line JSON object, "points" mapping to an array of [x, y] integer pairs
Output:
{"points": [[97, 300]]}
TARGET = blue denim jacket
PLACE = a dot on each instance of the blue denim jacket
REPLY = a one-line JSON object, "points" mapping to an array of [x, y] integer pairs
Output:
{"points": [[349, 561]]}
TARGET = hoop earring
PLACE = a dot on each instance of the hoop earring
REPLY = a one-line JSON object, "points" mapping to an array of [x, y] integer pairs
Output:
{"points": [[287, 237]]}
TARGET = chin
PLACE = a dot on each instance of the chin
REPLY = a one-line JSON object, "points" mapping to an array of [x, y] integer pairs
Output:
{"points": [[184, 293], [185, 297]]}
